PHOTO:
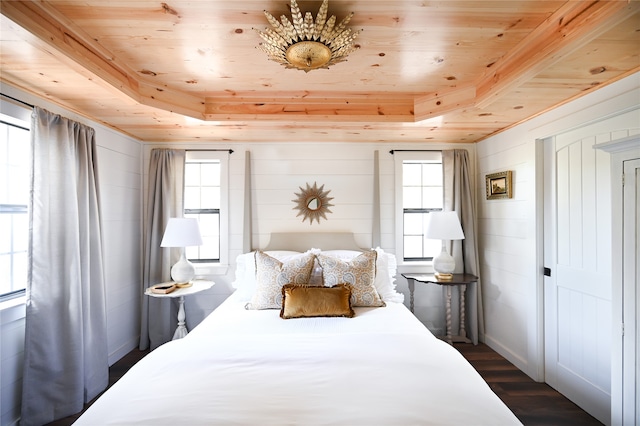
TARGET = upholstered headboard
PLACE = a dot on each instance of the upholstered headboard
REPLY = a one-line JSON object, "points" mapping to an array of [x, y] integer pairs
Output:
{"points": [[303, 241]]}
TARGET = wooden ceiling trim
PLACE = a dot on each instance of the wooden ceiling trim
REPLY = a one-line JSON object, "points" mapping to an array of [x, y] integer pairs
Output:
{"points": [[151, 70], [446, 101], [310, 112], [172, 100], [41, 20], [571, 27], [313, 106]]}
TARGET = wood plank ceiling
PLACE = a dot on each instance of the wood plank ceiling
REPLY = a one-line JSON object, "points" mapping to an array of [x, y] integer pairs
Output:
{"points": [[425, 71]]}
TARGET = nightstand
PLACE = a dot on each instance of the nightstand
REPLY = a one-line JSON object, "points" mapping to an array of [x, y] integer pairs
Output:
{"points": [[196, 287], [460, 280]]}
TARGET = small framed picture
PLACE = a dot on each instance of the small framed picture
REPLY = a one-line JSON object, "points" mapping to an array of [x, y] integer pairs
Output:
{"points": [[499, 185]]}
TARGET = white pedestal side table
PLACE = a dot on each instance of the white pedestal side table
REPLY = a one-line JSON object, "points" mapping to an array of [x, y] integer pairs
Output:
{"points": [[196, 287]]}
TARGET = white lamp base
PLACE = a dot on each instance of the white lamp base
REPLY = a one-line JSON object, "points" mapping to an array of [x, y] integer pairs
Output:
{"points": [[444, 264], [183, 271]]}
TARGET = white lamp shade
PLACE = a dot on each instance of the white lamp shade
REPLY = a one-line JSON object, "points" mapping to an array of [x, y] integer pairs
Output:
{"points": [[181, 232], [444, 226]]}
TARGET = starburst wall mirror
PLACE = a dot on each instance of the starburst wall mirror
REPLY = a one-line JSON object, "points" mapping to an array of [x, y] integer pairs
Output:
{"points": [[313, 203]]}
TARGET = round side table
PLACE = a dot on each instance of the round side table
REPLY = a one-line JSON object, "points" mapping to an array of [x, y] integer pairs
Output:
{"points": [[196, 287]]}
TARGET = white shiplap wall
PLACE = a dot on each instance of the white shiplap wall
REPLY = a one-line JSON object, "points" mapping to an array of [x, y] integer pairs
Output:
{"points": [[511, 230], [120, 176], [11, 362], [120, 180], [278, 170], [507, 244]]}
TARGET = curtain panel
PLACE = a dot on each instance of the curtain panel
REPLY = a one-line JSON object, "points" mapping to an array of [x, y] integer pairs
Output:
{"points": [[458, 197], [165, 200], [66, 355]]}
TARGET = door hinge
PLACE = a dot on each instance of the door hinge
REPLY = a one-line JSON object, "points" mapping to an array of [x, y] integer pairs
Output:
{"points": [[623, 179], [622, 329], [547, 272]]}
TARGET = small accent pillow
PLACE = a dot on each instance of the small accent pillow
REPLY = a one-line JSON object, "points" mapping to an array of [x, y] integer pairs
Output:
{"points": [[272, 274], [360, 272], [303, 301]]}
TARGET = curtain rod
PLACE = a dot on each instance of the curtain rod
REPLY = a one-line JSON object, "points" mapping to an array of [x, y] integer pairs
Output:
{"points": [[17, 100], [204, 150], [413, 150]]}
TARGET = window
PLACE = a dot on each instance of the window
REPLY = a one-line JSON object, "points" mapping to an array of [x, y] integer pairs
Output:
{"points": [[15, 155], [420, 192], [203, 199]]}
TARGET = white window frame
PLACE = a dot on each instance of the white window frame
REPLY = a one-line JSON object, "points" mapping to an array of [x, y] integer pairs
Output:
{"points": [[19, 116], [217, 268], [399, 158]]}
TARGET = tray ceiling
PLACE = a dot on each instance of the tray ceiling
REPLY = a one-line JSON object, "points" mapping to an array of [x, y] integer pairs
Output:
{"points": [[441, 71]]}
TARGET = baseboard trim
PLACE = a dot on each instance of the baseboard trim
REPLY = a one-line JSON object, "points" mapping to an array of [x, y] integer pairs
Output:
{"points": [[508, 354], [116, 355]]}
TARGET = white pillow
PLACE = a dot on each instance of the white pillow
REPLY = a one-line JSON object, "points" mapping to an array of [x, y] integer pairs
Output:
{"points": [[245, 282], [386, 267]]}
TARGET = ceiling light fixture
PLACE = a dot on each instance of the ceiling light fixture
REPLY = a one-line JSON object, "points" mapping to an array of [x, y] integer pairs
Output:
{"points": [[305, 44]]}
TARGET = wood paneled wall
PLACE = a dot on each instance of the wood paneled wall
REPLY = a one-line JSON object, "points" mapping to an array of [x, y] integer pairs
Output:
{"points": [[510, 230]]}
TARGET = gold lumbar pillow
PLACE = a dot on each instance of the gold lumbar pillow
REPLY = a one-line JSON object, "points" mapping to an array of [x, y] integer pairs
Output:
{"points": [[303, 301]]}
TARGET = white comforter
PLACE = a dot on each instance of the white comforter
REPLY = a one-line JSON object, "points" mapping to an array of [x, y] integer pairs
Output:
{"points": [[252, 368]]}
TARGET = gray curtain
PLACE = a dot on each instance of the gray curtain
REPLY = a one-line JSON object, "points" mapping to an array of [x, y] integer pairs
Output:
{"points": [[166, 177], [458, 197], [66, 356]]}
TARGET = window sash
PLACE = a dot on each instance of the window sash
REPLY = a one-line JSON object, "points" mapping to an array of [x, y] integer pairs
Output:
{"points": [[417, 247], [205, 200], [209, 251], [15, 153], [419, 191]]}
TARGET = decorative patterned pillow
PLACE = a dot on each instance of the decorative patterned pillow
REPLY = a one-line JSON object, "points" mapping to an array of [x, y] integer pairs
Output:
{"points": [[303, 301], [360, 272], [386, 268], [245, 280], [272, 275]]}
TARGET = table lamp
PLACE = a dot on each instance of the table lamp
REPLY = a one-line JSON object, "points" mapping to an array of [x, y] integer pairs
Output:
{"points": [[182, 232], [444, 226]]}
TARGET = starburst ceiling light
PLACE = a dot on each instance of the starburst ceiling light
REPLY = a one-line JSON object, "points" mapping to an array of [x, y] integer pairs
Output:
{"points": [[306, 44]]}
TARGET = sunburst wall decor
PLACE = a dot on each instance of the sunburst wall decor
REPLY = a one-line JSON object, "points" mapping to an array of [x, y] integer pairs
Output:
{"points": [[313, 203], [307, 44]]}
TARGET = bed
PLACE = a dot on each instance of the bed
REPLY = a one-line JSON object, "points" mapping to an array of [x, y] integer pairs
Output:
{"points": [[247, 365]]}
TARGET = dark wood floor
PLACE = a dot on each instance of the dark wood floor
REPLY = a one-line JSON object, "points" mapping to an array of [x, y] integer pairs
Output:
{"points": [[533, 403], [116, 371]]}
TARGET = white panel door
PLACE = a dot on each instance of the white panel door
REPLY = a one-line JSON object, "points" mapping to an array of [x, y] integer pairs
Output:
{"points": [[578, 290]]}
